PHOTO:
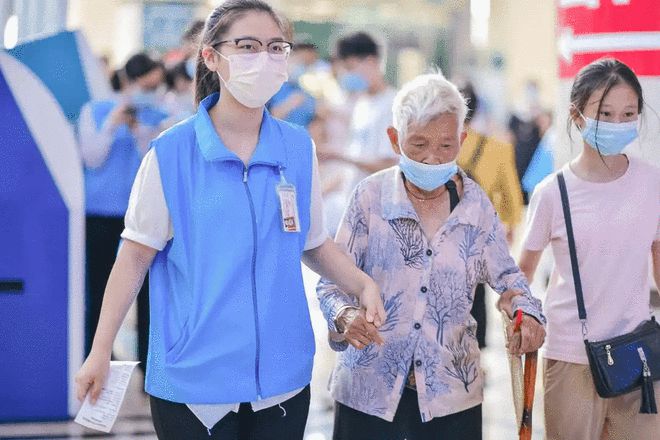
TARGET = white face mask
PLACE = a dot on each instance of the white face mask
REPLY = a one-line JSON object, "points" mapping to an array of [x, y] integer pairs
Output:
{"points": [[254, 78]]}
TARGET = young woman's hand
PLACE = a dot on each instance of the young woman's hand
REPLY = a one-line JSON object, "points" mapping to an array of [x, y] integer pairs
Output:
{"points": [[91, 376], [372, 303]]}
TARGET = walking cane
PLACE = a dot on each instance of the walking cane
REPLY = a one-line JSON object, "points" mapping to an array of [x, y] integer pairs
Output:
{"points": [[523, 381]]}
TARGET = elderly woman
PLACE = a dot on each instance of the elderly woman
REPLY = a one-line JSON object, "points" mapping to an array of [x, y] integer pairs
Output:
{"points": [[418, 375]]}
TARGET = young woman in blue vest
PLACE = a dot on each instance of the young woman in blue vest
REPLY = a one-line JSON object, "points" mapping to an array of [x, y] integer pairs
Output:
{"points": [[224, 208], [114, 135]]}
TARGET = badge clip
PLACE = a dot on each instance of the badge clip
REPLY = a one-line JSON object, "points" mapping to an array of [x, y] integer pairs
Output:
{"points": [[286, 192]]}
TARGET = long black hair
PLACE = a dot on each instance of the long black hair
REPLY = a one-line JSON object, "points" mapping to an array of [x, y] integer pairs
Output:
{"points": [[217, 23]]}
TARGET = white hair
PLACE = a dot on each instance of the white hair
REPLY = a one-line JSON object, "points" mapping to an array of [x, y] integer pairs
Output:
{"points": [[425, 98]]}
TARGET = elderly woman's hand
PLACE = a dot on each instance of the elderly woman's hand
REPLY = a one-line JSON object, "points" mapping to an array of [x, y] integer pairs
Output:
{"points": [[529, 338], [357, 331], [531, 335]]}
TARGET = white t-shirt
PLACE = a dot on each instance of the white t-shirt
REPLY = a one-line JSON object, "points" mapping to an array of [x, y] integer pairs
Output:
{"points": [[614, 225], [95, 142], [148, 222], [372, 115]]}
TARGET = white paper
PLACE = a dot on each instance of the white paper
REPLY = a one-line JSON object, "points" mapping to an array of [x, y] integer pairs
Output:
{"points": [[102, 415]]}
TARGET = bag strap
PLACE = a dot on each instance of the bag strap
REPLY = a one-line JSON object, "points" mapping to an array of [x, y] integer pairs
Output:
{"points": [[582, 312], [453, 194]]}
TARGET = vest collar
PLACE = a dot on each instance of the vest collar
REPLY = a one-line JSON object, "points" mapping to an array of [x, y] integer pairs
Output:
{"points": [[270, 148]]}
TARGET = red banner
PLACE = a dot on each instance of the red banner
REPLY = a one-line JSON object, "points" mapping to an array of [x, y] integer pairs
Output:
{"points": [[628, 30]]}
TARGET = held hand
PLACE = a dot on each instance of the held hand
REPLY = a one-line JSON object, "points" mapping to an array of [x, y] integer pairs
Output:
{"points": [[372, 303], [91, 376], [528, 338], [357, 331]]}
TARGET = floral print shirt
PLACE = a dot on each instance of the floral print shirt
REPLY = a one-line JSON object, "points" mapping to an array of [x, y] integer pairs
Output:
{"points": [[427, 286]]}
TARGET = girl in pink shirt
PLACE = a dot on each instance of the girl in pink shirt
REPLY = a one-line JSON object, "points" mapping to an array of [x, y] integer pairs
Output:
{"points": [[615, 213]]}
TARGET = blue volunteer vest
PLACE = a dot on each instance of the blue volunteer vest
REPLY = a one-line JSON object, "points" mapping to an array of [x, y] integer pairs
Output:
{"points": [[108, 187], [229, 317]]}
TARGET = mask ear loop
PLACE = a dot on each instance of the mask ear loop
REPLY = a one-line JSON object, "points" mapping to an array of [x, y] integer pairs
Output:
{"points": [[584, 118], [228, 60]]}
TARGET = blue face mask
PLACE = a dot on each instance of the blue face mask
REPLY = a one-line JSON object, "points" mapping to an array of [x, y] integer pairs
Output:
{"points": [[425, 176], [353, 82], [144, 98], [609, 138]]}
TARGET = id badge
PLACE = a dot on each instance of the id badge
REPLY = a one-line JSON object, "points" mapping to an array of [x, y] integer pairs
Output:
{"points": [[288, 207]]}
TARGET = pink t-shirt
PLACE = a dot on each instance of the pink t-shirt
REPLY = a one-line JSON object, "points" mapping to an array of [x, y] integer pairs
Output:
{"points": [[614, 225]]}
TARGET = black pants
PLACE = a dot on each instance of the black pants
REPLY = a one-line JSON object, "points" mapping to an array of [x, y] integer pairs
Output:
{"points": [[479, 313], [407, 424], [103, 236], [174, 421]]}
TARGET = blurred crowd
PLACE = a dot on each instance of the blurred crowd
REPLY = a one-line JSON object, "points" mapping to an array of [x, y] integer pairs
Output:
{"points": [[345, 103]]}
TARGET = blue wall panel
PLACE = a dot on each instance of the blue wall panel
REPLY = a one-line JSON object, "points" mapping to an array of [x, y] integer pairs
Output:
{"points": [[33, 249]]}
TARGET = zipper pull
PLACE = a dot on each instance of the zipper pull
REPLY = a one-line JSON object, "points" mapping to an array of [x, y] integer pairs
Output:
{"points": [[610, 360], [245, 174], [646, 370]]}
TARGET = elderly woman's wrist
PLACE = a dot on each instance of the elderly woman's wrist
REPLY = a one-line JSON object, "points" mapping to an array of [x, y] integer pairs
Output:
{"points": [[345, 317], [528, 307], [527, 312]]}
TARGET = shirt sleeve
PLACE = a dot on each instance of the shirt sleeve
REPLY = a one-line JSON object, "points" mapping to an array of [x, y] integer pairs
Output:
{"points": [[539, 219], [318, 233], [502, 273], [147, 219], [95, 142]]}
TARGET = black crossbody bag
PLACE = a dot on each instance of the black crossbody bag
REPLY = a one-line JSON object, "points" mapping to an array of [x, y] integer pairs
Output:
{"points": [[624, 363]]}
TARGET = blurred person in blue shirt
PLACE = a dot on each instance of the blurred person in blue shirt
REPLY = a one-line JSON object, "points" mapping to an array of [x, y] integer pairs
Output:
{"points": [[292, 103], [179, 100], [114, 135]]}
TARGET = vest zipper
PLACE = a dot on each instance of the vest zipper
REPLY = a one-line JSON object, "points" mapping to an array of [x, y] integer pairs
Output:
{"points": [[254, 279]]}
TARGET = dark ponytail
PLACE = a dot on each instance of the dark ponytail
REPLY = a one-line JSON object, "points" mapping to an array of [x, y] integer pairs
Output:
{"points": [[217, 23]]}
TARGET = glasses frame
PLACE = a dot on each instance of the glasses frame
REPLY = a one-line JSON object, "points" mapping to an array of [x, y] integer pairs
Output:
{"points": [[267, 45]]}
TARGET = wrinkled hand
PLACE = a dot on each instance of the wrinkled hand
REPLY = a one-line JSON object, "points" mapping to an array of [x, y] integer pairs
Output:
{"points": [[357, 331], [527, 339], [91, 377], [372, 303], [531, 335]]}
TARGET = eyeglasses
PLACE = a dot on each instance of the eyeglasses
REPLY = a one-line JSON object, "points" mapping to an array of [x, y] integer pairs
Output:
{"points": [[276, 49]]}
